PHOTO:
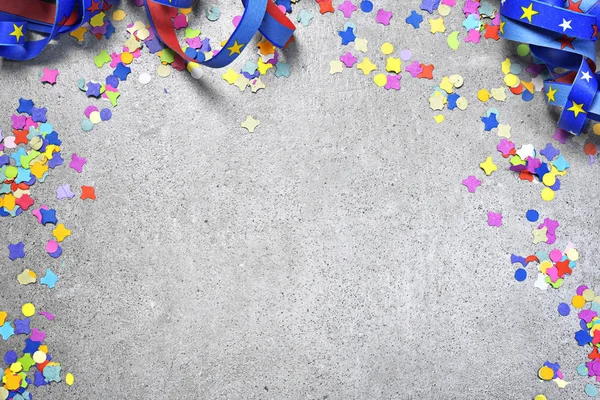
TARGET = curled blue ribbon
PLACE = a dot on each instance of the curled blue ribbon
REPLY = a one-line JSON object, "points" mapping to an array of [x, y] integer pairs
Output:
{"points": [[562, 35]]}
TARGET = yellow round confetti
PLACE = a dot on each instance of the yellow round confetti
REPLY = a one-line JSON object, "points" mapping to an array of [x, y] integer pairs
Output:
{"points": [[95, 118], [597, 129], [39, 357], [3, 393], [126, 58], [456, 80], [512, 80], [547, 194], [28, 310], [16, 367], [387, 48], [572, 254], [483, 95], [163, 70], [70, 379], [119, 15], [549, 179], [444, 10], [380, 80], [578, 301], [546, 373], [185, 11], [540, 397], [588, 295], [439, 118], [544, 265], [462, 103]]}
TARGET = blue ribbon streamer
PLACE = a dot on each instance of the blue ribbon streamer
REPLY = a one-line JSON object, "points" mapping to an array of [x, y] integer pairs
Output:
{"points": [[561, 35]]}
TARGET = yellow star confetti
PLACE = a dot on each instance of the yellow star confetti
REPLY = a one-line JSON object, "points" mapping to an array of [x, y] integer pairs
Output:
{"points": [[488, 166], [250, 123], [366, 66], [437, 25], [539, 235], [230, 76], [361, 44], [336, 67], [60, 232], [393, 65]]}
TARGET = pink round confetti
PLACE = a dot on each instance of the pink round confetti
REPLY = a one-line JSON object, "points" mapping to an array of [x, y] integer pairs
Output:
{"points": [[405, 54], [89, 110], [580, 289], [236, 20], [51, 246], [556, 255], [281, 8]]}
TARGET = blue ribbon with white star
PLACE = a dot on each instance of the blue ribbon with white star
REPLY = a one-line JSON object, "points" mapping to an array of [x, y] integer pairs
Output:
{"points": [[17, 17], [561, 34]]}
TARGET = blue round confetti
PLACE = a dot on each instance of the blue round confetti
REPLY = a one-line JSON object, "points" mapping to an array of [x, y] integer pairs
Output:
{"points": [[527, 95], [366, 6], [591, 390], [532, 215], [113, 81], [191, 52], [10, 357], [105, 114], [87, 125], [520, 274], [564, 309], [582, 369]]}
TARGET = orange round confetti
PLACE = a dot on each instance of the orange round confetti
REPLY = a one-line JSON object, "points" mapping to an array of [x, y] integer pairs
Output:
{"points": [[546, 373], [578, 301], [590, 149], [127, 58]]}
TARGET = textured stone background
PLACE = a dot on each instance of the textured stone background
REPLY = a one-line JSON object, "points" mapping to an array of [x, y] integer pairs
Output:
{"points": [[331, 254]]}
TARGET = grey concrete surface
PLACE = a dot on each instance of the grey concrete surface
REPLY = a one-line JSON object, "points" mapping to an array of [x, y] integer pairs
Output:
{"points": [[332, 254]]}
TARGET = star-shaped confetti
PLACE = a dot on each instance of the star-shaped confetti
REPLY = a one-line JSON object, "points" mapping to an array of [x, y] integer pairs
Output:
{"points": [[49, 279], [490, 122], [472, 183], [64, 192], [437, 25], [61, 232], [539, 235], [77, 162], [488, 166], [88, 192], [250, 123], [347, 35], [494, 219], [48, 216], [414, 19], [49, 76], [16, 250], [366, 66], [335, 67], [348, 59], [383, 17], [347, 8]]}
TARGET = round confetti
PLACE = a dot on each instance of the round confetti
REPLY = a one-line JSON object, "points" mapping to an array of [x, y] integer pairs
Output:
{"points": [[405, 55], [366, 6], [588, 295], [520, 274], [578, 301], [564, 309], [580, 289], [532, 215], [95, 117], [540, 397], [512, 80], [70, 379], [163, 70], [546, 373], [87, 125], [444, 10], [387, 48], [597, 129], [89, 110], [39, 357], [28, 310], [522, 50], [590, 149], [145, 78], [380, 80], [591, 390], [549, 179], [119, 15], [555, 255], [126, 57], [483, 95], [105, 114], [3, 393], [547, 194], [582, 369], [572, 254], [462, 103]]}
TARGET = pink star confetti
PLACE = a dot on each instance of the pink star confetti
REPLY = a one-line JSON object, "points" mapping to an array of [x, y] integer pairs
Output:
{"points": [[383, 17], [494, 219], [472, 183], [347, 8], [561, 136], [415, 69], [49, 76], [348, 59], [393, 82], [77, 162]]}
